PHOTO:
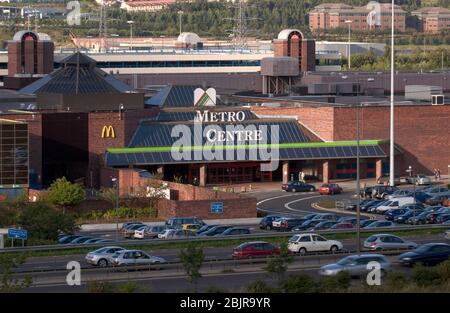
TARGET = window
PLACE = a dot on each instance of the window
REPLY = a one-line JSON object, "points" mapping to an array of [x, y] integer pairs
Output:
{"points": [[319, 238], [305, 239]]}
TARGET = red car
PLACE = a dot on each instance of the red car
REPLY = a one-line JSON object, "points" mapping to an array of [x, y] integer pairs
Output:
{"points": [[329, 189], [255, 249], [342, 226]]}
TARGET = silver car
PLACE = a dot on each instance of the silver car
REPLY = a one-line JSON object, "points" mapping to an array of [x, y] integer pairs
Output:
{"points": [[387, 241], [102, 256], [355, 265], [422, 180], [135, 257]]}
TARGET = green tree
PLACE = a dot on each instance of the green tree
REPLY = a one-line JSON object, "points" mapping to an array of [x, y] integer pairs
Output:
{"points": [[259, 286], [63, 193], [110, 195], [9, 262], [339, 283], [45, 223], [278, 265], [300, 283], [192, 259]]}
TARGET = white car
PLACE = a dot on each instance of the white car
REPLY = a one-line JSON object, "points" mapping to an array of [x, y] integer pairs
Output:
{"points": [[135, 257], [103, 256], [166, 234], [422, 180], [303, 243]]}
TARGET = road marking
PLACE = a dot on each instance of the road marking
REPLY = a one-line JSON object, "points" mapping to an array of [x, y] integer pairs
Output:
{"points": [[273, 198], [287, 205]]}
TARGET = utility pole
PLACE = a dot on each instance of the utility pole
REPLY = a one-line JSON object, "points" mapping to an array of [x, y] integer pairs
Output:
{"points": [[180, 14], [391, 137], [358, 183], [349, 22], [131, 34]]}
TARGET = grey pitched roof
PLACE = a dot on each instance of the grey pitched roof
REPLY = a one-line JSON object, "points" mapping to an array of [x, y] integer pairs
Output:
{"points": [[78, 74]]}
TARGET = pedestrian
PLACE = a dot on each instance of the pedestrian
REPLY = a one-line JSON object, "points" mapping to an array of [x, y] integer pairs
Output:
{"points": [[303, 177], [439, 174], [300, 173], [435, 174]]}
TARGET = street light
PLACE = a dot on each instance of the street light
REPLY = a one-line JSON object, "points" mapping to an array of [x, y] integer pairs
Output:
{"points": [[115, 182], [349, 22], [410, 171], [180, 13], [391, 137], [131, 34]]}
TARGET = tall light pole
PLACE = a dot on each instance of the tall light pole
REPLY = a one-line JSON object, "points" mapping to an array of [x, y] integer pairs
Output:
{"points": [[349, 22], [358, 183], [115, 182], [131, 34], [180, 14], [391, 137]]}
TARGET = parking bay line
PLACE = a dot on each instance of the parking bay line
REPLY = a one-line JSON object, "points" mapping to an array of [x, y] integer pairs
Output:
{"points": [[287, 205]]}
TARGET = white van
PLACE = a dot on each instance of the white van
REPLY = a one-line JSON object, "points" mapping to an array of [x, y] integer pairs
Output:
{"points": [[394, 204]]}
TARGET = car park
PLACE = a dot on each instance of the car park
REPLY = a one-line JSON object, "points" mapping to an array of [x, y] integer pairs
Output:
{"points": [[255, 249], [353, 206], [167, 233], [433, 217], [327, 217], [364, 223], [330, 189], [442, 218], [176, 222], [295, 186], [310, 216], [92, 240], [418, 218], [438, 191], [427, 254], [135, 257], [191, 227], [371, 203], [400, 193], [148, 232], [205, 228], [266, 221], [379, 192], [374, 207], [303, 243], [103, 256], [127, 224], [386, 242], [378, 224], [80, 240], [402, 219], [235, 231], [355, 265], [437, 200], [68, 238]]}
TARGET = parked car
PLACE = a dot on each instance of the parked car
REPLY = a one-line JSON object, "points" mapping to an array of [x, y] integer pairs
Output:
{"points": [[216, 230], [310, 216], [68, 238], [192, 227], [385, 179], [205, 228], [327, 217], [176, 222], [287, 224], [351, 220], [103, 256], [421, 179], [392, 213], [128, 224], [393, 204], [148, 232], [379, 192], [323, 226], [438, 191], [342, 225], [400, 193], [433, 217], [181, 234], [353, 206], [387, 241], [255, 249], [135, 257], [437, 200], [421, 196], [235, 231], [167, 233], [355, 265], [303, 243], [442, 218], [402, 219], [364, 223], [418, 218], [266, 221], [307, 225], [378, 224], [80, 240], [365, 206], [92, 240], [330, 189], [427, 254], [294, 186], [128, 232]]}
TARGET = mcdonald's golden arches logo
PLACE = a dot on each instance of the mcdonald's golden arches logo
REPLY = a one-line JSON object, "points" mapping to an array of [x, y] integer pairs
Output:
{"points": [[108, 132]]}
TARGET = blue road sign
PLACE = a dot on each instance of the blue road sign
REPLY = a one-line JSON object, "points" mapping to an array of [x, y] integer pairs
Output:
{"points": [[216, 207], [15, 233]]}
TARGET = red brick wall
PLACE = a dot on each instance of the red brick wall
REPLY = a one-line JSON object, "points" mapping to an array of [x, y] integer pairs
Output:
{"points": [[420, 131], [319, 120]]}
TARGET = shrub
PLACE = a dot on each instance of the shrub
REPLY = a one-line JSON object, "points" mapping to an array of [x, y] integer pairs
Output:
{"points": [[100, 287], [426, 276], [260, 286], [396, 280], [340, 282], [63, 193], [300, 283]]}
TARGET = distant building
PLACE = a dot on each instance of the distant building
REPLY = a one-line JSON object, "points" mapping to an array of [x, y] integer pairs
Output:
{"points": [[145, 6], [373, 16], [432, 19]]}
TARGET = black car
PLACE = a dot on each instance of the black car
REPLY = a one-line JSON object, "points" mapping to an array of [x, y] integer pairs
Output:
{"points": [[68, 238], [294, 186], [427, 254], [307, 225], [266, 222], [289, 223], [353, 206], [235, 231], [205, 228], [364, 207], [419, 218]]}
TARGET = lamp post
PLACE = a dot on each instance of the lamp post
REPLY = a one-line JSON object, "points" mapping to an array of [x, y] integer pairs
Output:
{"points": [[391, 137], [115, 182], [131, 34], [349, 22], [410, 171], [180, 14]]}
